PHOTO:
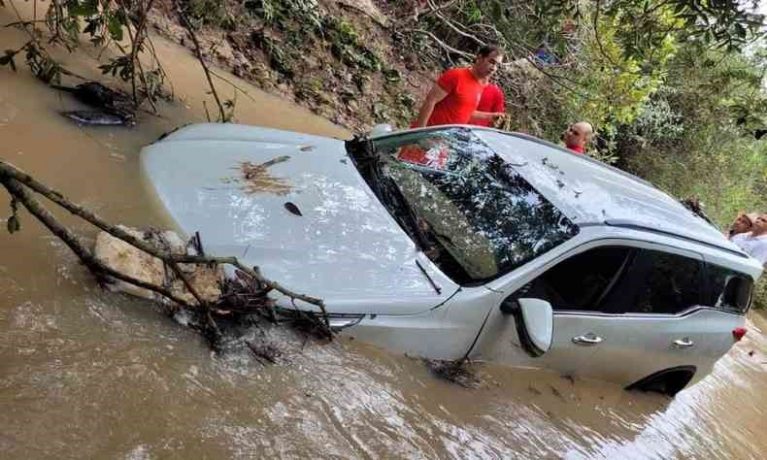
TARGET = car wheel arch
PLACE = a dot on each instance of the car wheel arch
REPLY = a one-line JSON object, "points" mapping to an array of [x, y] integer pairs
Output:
{"points": [[668, 381]]}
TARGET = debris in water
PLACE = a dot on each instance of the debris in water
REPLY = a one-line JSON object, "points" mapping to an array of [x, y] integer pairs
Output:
{"points": [[556, 392], [293, 208], [96, 118], [112, 105], [265, 351], [453, 371], [191, 287], [534, 390]]}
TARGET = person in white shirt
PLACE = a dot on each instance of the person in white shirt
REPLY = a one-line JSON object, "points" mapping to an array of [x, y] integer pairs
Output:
{"points": [[754, 243], [742, 224]]}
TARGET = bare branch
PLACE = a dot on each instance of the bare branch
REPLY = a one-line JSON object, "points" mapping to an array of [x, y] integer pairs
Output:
{"points": [[198, 51], [442, 44]]}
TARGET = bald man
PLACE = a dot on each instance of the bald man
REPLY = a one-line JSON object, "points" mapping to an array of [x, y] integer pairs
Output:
{"points": [[577, 136]]}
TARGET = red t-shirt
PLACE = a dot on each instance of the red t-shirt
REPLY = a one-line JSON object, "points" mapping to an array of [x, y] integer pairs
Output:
{"points": [[463, 94], [577, 149], [492, 100]]}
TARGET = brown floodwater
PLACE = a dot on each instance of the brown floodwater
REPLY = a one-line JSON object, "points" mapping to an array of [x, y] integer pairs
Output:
{"points": [[90, 374]]}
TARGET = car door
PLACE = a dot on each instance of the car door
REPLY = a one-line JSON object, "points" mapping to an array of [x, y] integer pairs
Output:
{"points": [[573, 284], [622, 311], [657, 317]]}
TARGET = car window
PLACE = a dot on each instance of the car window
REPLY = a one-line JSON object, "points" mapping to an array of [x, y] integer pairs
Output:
{"points": [[618, 280], [657, 282], [728, 289], [583, 281], [480, 213]]}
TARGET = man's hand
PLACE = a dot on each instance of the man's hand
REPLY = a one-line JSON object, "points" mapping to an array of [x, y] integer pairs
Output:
{"points": [[493, 116]]}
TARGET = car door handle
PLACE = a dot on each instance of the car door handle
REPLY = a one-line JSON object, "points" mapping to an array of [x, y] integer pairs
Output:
{"points": [[683, 343], [588, 339]]}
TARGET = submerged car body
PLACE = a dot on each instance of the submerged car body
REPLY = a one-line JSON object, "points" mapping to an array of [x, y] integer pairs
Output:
{"points": [[463, 241]]}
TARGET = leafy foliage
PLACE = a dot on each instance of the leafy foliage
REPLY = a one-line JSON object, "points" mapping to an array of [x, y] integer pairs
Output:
{"points": [[104, 22]]}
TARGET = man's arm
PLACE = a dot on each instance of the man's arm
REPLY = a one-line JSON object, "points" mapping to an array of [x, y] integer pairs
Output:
{"points": [[435, 95]]}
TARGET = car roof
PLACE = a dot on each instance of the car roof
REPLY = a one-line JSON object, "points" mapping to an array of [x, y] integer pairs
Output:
{"points": [[590, 192]]}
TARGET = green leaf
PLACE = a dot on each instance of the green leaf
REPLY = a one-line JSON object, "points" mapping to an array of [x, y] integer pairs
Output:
{"points": [[13, 224], [83, 8], [115, 28]]}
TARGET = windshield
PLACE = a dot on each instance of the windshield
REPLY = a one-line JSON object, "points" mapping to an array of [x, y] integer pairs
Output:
{"points": [[468, 210]]}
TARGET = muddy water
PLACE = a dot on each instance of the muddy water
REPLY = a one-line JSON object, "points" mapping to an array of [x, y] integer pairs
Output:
{"points": [[84, 373]]}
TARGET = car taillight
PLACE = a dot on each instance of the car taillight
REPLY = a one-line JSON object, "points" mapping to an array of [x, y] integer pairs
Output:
{"points": [[738, 333]]}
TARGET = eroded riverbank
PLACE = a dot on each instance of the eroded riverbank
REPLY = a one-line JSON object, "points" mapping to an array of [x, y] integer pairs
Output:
{"points": [[85, 373]]}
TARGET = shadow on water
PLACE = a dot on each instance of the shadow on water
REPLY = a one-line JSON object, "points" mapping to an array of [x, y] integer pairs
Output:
{"points": [[85, 373]]}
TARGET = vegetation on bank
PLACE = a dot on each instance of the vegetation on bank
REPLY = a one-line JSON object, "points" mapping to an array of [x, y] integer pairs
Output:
{"points": [[675, 88]]}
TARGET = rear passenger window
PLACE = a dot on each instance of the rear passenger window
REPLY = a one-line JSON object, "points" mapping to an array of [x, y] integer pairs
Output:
{"points": [[660, 282], [728, 290]]}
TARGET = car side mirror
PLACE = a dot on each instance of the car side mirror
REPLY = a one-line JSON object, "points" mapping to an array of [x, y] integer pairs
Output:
{"points": [[534, 319]]}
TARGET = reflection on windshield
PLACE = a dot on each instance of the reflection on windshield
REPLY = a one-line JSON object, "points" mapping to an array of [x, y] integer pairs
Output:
{"points": [[483, 217]]}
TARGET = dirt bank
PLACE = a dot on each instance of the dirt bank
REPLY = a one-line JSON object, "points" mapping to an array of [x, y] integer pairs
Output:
{"points": [[342, 59]]}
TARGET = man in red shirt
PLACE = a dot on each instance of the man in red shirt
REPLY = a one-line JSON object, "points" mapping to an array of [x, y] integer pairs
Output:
{"points": [[455, 97], [492, 101], [578, 136]]}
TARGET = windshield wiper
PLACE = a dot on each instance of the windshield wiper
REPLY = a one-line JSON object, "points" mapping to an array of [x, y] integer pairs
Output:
{"points": [[428, 277]]}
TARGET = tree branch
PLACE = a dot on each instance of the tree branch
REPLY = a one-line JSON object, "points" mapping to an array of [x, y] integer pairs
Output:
{"points": [[16, 190], [9, 171], [198, 51]]}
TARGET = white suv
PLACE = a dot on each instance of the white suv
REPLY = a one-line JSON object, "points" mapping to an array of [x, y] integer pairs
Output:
{"points": [[462, 241]]}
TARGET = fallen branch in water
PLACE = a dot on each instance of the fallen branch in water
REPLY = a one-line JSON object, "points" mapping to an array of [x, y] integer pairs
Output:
{"points": [[252, 284]]}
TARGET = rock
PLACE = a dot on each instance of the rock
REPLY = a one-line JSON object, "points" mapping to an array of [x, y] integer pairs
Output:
{"points": [[126, 259]]}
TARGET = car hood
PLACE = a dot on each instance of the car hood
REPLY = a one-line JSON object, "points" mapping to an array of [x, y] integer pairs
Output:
{"points": [[295, 206]]}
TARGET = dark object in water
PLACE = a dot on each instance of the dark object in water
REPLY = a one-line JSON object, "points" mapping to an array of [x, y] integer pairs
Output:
{"points": [[457, 372], [264, 351], [96, 118], [107, 100], [293, 208]]}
